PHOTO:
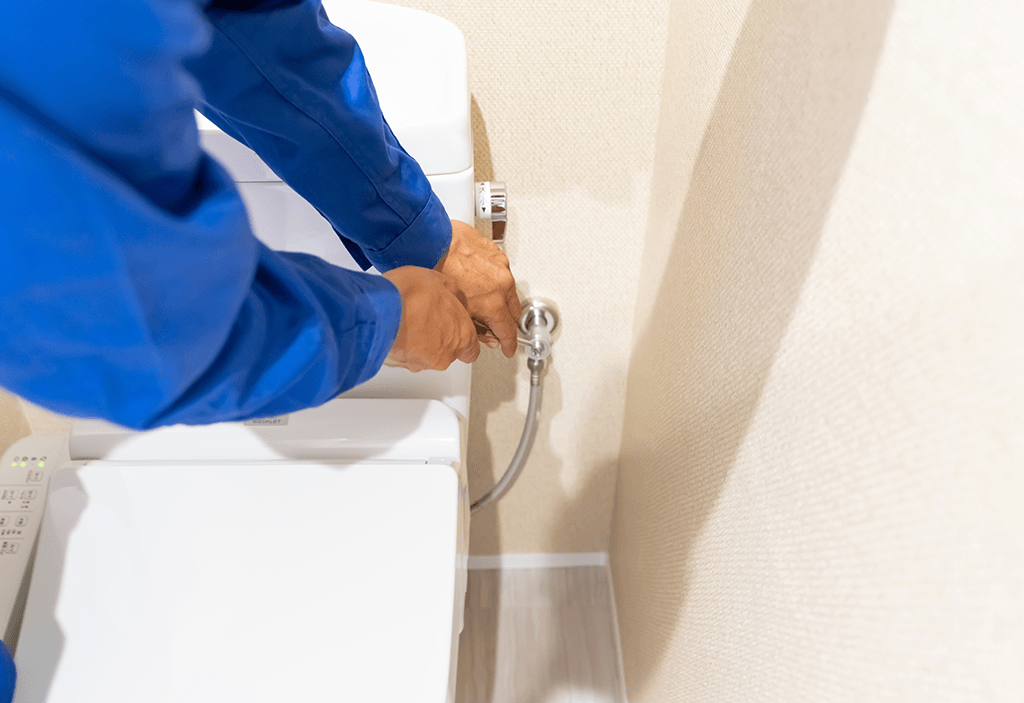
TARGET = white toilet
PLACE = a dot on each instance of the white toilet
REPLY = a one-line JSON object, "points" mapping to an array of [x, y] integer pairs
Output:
{"points": [[319, 556]]}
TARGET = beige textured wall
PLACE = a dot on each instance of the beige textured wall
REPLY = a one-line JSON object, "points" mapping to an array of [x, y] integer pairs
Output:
{"points": [[13, 424], [565, 109], [822, 479]]}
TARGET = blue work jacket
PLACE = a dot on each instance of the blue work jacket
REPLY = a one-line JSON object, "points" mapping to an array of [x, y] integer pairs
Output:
{"points": [[131, 285]]}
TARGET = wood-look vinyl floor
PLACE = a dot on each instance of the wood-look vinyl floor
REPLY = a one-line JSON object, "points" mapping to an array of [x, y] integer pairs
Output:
{"points": [[539, 636]]}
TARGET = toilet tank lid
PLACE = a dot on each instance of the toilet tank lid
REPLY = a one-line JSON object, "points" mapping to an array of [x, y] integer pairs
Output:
{"points": [[417, 62], [344, 429]]}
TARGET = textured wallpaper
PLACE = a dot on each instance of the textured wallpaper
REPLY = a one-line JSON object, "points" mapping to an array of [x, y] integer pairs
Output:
{"points": [[822, 478], [565, 109]]}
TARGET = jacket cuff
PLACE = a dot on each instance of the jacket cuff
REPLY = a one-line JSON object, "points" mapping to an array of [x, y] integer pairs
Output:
{"points": [[423, 242], [355, 252], [386, 302]]}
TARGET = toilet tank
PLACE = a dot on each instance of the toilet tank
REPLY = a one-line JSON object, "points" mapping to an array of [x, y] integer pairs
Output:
{"points": [[417, 62], [418, 65]]}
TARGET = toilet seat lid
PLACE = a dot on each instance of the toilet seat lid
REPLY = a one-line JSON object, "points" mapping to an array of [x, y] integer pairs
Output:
{"points": [[255, 581]]}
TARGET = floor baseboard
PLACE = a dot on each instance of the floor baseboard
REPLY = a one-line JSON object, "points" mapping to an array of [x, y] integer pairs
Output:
{"points": [[538, 561]]}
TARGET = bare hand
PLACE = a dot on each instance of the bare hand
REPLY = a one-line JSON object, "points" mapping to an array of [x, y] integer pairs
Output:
{"points": [[481, 270], [435, 329]]}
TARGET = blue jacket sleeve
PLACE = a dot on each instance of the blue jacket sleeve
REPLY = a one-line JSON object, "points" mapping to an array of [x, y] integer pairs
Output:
{"points": [[131, 286], [8, 675], [294, 88]]}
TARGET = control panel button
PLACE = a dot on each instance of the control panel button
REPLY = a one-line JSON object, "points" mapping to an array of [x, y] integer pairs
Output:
{"points": [[9, 548], [21, 521], [34, 476], [29, 494], [9, 494], [4, 520]]}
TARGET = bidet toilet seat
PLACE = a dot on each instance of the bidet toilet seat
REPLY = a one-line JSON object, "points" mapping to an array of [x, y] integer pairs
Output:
{"points": [[265, 578]]}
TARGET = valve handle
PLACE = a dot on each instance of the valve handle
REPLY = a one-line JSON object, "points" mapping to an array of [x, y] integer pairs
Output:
{"points": [[491, 205]]}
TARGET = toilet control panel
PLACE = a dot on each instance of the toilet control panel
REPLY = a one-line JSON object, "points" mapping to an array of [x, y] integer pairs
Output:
{"points": [[24, 475]]}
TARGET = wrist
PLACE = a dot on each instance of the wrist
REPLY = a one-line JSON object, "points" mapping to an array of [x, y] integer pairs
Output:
{"points": [[424, 242]]}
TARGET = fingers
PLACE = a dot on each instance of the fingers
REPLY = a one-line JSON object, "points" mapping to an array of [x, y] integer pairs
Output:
{"points": [[469, 353], [466, 346], [515, 306], [484, 335], [506, 332], [502, 329], [475, 275], [515, 311], [435, 328], [481, 271]]}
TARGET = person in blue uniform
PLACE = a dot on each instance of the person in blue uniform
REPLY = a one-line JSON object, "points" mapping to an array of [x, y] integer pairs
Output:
{"points": [[131, 285]]}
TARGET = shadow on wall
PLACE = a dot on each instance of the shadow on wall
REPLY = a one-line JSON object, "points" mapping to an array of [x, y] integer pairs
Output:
{"points": [[494, 380], [493, 376], [494, 383], [483, 163], [771, 158]]}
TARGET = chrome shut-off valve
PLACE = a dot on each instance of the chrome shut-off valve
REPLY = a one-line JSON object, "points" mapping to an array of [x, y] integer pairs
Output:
{"points": [[491, 205], [538, 324]]}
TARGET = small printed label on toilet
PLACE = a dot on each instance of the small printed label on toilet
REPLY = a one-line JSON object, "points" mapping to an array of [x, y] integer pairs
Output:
{"points": [[278, 420]]}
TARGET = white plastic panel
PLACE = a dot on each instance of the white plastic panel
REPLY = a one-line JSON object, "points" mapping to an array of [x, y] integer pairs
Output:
{"points": [[240, 161], [425, 100], [422, 89], [450, 386], [345, 429], [284, 221], [24, 475], [246, 582]]}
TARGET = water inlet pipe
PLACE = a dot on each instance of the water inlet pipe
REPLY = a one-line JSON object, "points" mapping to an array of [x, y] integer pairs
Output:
{"points": [[538, 323]]}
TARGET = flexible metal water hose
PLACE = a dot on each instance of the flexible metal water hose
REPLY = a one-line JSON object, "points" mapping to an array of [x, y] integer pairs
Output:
{"points": [[515, 466], [539, 322]]}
